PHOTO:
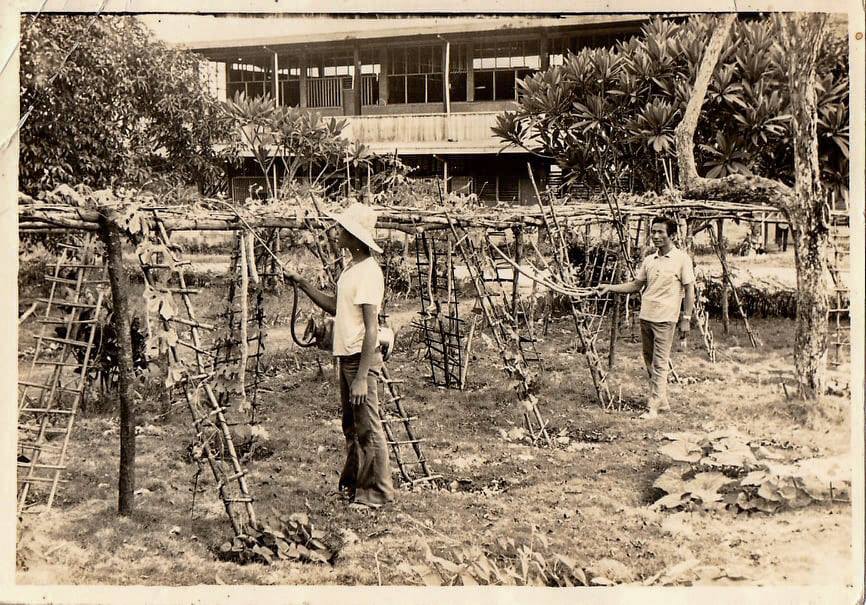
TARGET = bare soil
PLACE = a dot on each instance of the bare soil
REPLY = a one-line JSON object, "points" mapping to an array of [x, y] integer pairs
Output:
{"points": [[591, 500]]}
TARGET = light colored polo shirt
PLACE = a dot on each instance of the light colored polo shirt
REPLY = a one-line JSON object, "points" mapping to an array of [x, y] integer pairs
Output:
{"points": [[666, 277], [361, 284]]}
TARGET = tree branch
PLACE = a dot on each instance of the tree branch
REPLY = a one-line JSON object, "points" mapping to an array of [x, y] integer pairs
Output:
{"points": [[733, 187]]}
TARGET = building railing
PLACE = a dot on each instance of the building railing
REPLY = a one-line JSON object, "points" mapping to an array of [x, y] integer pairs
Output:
{"points": [[325, 92], [425, 133], [328, 91], [463, 128]]}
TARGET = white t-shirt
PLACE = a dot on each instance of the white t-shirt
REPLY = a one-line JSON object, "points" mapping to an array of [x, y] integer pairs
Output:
{"points": [[666, 277], [361, 284]]}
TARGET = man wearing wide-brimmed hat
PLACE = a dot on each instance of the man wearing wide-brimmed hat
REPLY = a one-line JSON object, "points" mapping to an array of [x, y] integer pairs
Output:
{"points": [[366, 475]]}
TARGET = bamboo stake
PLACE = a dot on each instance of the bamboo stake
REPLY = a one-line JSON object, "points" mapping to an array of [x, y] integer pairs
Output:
{"points": [[243, 295], [726, 275], [251, 258], [468, 353]]}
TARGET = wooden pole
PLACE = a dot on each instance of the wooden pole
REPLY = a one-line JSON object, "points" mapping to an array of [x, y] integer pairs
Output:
{"points": [[765, 227], [384, 70], [515, 280], [276, 79], [446, 80], [470, 73], [111, 236], [726, 318], [302, 82], [356, 101]]}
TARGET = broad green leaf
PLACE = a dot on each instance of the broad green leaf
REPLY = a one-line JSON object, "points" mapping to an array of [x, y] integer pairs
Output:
{"points": [[682, 451], [706, 486], [671, 481], [429, 576]]}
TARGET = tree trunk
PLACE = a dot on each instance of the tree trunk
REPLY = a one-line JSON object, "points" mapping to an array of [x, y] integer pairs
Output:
{"points": [[809, 212], [804, 205], [111, 237]]}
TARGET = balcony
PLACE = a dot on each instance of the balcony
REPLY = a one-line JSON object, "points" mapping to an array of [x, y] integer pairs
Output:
{"points": [[407, 134]]}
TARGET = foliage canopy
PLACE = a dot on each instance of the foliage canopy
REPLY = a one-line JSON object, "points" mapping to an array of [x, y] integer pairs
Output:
{"points": [[609, 114], [107, 105]]}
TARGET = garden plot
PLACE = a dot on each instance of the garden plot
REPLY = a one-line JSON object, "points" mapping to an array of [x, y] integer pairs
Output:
{"points": [[584, 510]]}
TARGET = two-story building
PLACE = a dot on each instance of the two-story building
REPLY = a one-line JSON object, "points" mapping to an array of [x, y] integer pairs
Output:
{"points": [[426, 88]]}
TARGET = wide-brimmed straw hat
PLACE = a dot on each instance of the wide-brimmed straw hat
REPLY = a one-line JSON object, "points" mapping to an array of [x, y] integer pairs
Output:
{"points": [[360, 221]]}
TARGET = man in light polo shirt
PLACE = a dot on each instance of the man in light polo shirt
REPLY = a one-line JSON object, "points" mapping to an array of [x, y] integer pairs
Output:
{"points": [[667, 274]]}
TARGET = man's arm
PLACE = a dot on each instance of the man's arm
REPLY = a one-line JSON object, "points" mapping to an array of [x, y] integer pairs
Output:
{"points": [[358, 388], [687, 275], [635, 285], [326, 302], [688, 305]]}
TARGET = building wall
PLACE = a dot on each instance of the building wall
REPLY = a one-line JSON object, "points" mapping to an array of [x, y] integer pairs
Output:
{"points": [[441, 136], [418, 75]]}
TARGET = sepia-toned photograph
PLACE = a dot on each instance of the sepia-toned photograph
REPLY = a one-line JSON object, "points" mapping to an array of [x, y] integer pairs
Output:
{"points": [[472, 299]]}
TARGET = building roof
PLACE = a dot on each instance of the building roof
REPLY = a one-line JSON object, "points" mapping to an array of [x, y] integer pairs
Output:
{"points": [[209, 34]]}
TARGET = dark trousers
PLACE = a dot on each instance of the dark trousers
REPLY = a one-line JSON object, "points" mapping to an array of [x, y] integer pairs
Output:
{"points": [[367, 472]]}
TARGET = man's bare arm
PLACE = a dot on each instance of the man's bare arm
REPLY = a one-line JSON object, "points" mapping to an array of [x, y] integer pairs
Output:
{"points": [[326, 302], [635, 285]]}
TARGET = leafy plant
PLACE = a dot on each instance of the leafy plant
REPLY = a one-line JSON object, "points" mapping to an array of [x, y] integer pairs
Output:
{"points": [[133, 112], [726, 157], [505, 562], [724, 469], [292, 537], [617, 107], [309, 152]]}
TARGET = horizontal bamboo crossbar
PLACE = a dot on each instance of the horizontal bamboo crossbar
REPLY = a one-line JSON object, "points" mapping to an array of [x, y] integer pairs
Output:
{"points": [[201, 216]]}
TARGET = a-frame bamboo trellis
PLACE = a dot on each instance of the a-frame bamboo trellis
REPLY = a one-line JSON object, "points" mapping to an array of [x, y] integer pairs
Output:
{"points": [[49, 400], [564, 270], [163, 273], [505, 338], [240, 344], [439, 321]]}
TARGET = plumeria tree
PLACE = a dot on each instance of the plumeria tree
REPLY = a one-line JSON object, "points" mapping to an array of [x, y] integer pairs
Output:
{"points": [[611, 112], [305, 149]]}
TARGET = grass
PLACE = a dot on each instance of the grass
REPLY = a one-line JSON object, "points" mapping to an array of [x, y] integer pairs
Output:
{"points": [[591, 501]]}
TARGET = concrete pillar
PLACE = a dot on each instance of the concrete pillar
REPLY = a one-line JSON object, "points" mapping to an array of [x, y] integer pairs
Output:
{"points": [[544, 51], [276, 80], [384, 61]]}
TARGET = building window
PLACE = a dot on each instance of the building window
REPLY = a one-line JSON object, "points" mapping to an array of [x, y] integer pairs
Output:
{"points": [[509, 188], [252, 79], [498, 67], [561, 46], [329, 74], [415, 74], [289, 74]]}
